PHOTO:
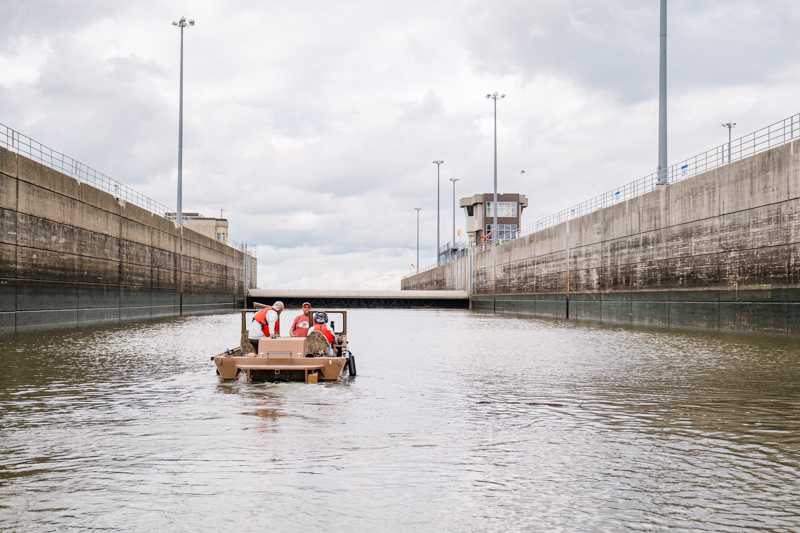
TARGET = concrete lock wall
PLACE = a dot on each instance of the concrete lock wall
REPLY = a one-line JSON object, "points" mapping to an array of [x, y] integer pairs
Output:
{"points": [[448, 277], [72, 254], [720, 250]]}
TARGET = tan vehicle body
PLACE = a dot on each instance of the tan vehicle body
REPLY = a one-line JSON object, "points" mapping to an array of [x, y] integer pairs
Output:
{"points": [[283, 359]]}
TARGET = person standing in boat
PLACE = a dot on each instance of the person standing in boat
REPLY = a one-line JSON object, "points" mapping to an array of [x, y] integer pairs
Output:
{"points": [[265, 323], [302, 323]]}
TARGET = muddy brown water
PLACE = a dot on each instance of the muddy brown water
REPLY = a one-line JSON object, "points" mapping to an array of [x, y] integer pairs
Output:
{"points": [[456, 422]]}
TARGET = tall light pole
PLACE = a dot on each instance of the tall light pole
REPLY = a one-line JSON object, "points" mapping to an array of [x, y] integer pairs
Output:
{"points": [[454, 180], [182, 23], [662, 99], [438, 202], [495, 97], [730, 126], [418, 210]]}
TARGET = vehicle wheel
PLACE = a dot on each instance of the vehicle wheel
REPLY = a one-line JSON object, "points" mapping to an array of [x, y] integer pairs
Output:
{"points": [[351, 362]]}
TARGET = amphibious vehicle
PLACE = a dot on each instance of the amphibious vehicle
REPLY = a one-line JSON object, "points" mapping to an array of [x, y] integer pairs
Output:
{"points": [[289, 358]]}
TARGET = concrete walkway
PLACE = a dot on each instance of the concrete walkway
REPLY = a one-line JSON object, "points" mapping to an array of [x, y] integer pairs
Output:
{"points": [[360, 298]]}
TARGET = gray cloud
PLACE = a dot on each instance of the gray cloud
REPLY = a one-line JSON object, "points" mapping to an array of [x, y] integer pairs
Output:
{"points": [[612, 45], [314, 124]]}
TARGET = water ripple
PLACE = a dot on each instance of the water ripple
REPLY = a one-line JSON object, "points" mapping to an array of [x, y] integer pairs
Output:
{"points": [[457, 422]]}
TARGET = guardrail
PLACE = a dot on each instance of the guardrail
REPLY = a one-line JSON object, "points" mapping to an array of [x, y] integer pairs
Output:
{"points": [[776, 134], [32, 149]]}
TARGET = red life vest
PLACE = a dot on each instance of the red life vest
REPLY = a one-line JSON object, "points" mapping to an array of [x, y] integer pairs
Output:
{"points": [[261, 318], [325, 330]]}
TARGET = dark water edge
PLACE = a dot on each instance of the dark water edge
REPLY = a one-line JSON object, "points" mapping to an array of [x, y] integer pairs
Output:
{"points": [[775, 311], [457, 421]]}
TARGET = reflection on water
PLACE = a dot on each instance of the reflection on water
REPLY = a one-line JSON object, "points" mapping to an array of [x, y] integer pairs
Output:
{"points": [[457, 421]]}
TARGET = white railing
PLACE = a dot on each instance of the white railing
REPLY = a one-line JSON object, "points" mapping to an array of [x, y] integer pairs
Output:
{"points": [[32, 149], [771, 136]]}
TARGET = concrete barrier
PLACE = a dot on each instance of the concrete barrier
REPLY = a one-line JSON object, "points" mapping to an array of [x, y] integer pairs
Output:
{"points": [[71, 254], [720, 250], [327, 299]]}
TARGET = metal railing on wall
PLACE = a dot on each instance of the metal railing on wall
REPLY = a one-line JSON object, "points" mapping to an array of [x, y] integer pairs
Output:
{"points": [[32, 149], [771, 136]]}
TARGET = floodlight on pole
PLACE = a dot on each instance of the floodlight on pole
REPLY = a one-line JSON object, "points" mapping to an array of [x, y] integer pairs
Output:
{"points": [[662, 177], [182, 23], [494, 96], [418, 209], [438, 163], [730, 126]]}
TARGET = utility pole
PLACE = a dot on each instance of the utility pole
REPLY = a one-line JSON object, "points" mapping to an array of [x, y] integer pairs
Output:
{"points": [[454, 180], [495, 97], [567, 284], [730, 126], [438, 203], [182, 23], [662, 100], [418, 210]]}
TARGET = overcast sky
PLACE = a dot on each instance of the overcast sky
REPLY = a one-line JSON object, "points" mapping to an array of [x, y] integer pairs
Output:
{"points": [[314, 123]]}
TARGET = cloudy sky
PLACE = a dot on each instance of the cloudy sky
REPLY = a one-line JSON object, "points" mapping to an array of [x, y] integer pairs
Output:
{"points": [[313, 124]]}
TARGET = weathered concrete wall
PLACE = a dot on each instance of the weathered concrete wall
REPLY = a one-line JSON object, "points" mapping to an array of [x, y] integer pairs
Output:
{"points": [[72, 254], [720, 250], [452, 276]]}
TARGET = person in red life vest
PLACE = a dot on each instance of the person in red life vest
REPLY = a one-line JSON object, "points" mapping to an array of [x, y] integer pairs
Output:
{"points": [[302, 323], [266, 323], [321, 325]]}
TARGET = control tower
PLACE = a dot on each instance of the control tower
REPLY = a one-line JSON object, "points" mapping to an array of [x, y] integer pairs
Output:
{"points": [[480, 215]]}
